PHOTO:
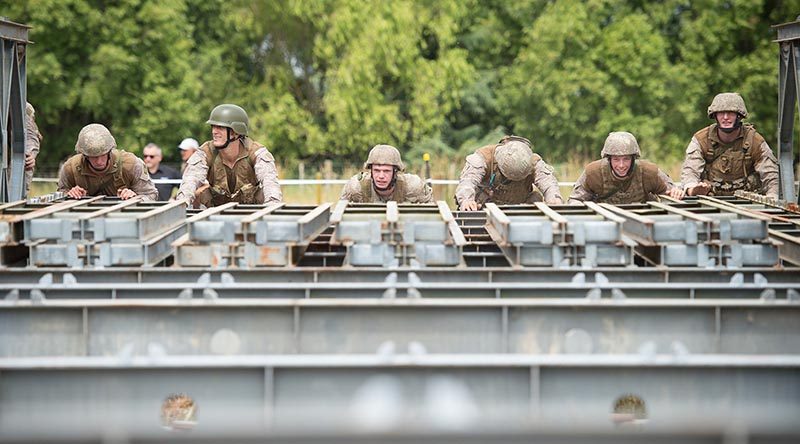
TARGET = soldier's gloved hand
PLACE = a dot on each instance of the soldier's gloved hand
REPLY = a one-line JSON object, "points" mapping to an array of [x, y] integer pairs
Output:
{"points": [[470, 206], [125, 194], [76, 192], [676, 193], [30, 162], [701, 188]]}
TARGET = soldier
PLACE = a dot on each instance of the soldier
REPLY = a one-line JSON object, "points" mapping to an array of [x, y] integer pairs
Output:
{"points": [[727, 155], [384, 180], [33, 140], [100, 168], [506, 173], [620, 177], [238, 168]]}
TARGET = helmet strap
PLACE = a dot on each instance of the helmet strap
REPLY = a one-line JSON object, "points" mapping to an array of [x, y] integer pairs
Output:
{"points": [[735, 127], [228, 139]]}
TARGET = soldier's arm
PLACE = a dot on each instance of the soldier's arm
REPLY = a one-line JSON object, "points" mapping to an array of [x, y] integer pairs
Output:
{"points": [[65, 180], [471, 176], [693, 165], [767, 169], [33, 137], [418, 190], [580, 193], [194, 175], [142, 184], [545, 180], [267, 175], [352, 190]]}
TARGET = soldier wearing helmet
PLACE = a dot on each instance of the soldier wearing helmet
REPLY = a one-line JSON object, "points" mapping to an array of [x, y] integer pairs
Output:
{"points": [[100, 168], [620, 177], [506, 173], [236, 167], [384, 180], [728, 155]]}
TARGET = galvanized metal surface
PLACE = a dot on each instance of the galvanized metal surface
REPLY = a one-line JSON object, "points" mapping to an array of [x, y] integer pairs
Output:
{"points": [[13, 36], [524, 326], [269, 389], [788, 88], [397, 235]]}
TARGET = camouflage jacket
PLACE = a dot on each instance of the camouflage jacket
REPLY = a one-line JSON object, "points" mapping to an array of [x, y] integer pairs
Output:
{"points": [[409, 188], [124, 170]]}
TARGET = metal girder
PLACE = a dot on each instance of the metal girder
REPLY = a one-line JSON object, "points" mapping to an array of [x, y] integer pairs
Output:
{"points": [[251, 235], [412, 288], [264, 390], [466, 277], [13, 38], [397, 235], [788, 88], [457, 326], [559, 236]]}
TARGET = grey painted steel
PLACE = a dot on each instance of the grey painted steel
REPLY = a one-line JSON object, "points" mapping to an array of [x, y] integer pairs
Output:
{"points": [[788, 88], [12, 110], [392, 235], [559, 236], [701, 232], [104, 232], [277, 388], [412, 288], [251, 235], [177, 276], [525, 326]]}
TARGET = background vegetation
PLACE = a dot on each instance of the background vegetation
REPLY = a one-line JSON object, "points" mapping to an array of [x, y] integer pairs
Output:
{"points": [[327, 79]]}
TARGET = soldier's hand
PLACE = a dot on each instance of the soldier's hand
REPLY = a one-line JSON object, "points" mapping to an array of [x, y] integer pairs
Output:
{"points": [[676, 193], [76, 192], [554, 202], [125, 194], [30, 162], [470, 206], [701, 188]]}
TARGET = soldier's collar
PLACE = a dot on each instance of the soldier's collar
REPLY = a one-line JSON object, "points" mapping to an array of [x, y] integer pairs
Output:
{"points": [[714, 134]]}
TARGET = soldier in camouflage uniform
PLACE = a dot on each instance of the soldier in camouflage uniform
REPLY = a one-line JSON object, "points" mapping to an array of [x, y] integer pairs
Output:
{"points": [[33, 140], [506, 173], [384, 180], [620, 177], [237, 168], [100, 169], [727, 155]]}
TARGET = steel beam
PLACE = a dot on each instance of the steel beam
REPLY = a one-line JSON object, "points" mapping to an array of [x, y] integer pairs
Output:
{"points": [[526, 326], [788, 87], [277, 389]]}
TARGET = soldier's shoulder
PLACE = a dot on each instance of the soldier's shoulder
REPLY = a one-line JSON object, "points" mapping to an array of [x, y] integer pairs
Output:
{"points": [[413, 181], [595, 166], [648, 167]]}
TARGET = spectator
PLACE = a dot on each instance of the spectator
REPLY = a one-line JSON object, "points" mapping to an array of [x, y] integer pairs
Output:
{"points": [[152, 158]]}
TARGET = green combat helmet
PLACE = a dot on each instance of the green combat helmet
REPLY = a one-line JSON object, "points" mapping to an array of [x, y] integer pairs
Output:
{"points": [[727, 102], [95, 140], [620, 143], [384, 155], [230, 116], [514, 157]]}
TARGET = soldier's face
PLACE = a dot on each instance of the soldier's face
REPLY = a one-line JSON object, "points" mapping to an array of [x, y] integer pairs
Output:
{"points": [[98, 162], [725, 119], [621, 164], [382, 175], [219, 135]]}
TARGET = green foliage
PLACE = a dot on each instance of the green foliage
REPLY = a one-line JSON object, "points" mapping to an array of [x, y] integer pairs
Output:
{"points": [[331, 78]]}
